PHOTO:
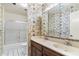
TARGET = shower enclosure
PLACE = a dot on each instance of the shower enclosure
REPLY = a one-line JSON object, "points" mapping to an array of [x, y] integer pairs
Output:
{"points": [[13, 30], [15, 38]]}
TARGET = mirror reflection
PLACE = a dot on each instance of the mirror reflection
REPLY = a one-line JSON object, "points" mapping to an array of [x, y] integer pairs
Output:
{"points": [[63, 20]]}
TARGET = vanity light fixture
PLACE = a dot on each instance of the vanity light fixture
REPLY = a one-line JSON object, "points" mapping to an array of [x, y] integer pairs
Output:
{"points": [[23, 5], [14, 3]]}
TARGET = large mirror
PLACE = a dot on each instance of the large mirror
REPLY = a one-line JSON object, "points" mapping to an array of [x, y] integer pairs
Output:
{"points": [[63, 21]]}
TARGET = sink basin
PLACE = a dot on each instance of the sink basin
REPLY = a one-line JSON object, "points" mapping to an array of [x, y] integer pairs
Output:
{"points": [[59, 46], [65, 48]]}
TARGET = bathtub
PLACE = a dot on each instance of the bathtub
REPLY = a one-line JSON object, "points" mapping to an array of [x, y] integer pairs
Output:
{"points": [[18, 49]]}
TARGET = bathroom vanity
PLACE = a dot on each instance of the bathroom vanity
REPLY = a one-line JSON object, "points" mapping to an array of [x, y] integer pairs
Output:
{"points": [[40, 50], [43, 47]]}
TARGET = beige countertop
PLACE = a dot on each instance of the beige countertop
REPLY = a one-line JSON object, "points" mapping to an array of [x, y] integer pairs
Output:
{"points": [[58, 47]]}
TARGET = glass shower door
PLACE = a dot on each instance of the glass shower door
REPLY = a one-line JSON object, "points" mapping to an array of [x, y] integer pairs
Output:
{"points": [[16, 37], [1, 29]]}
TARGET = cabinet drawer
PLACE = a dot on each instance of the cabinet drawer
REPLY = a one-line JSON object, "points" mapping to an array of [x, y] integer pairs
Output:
{"points": [[36, 45]]}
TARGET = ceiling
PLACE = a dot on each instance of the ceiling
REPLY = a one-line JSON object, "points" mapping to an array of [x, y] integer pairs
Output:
{"points": [[18, 9]]}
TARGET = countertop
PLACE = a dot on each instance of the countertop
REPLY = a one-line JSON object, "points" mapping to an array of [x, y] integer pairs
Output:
{"points": [[58, 47]]}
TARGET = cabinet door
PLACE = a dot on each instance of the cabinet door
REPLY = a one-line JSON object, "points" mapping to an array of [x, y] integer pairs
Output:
{"points": [[36, 49], [33, 53], [38, 53]]}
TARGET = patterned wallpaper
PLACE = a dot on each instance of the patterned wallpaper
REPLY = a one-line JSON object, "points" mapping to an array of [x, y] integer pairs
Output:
{"points": [[34, 17], [59, 26], [58, 21], [55, 23], [44, 30], [64, 21], [34, 13]]}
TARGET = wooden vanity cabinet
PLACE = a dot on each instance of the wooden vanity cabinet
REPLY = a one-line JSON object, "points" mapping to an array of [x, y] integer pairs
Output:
{"points": [[39, 50], [36, 49]]}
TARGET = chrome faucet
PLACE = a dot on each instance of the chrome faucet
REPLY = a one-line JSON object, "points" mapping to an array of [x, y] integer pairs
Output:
{"points": [[68, 43], [46, 38]]}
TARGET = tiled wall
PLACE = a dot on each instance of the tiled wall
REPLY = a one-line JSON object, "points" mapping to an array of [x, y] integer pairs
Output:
{"points": [[1, 28]]}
